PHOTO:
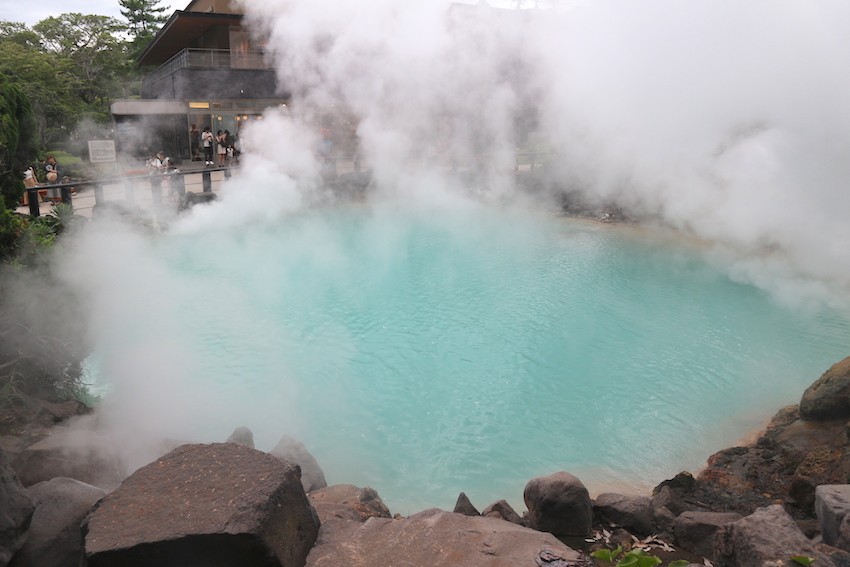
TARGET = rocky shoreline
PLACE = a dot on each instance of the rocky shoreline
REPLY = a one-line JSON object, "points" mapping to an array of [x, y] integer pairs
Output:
{"points": [[65, 500]]}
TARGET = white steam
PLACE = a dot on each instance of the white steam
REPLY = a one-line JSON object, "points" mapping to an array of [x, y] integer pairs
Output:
{"points": [[726, 119]]}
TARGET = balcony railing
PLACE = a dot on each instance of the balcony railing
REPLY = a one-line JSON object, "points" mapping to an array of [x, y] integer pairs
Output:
{"points": [[210, 59]]}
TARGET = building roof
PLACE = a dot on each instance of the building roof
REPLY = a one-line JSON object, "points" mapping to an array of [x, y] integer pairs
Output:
{"points": [[180, 29]]}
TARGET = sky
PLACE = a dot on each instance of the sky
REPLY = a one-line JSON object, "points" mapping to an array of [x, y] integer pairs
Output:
{"points": [[32, 13]]}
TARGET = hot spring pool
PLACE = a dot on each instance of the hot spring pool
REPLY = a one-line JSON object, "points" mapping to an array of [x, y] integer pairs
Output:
{"points": [[428, 353]]}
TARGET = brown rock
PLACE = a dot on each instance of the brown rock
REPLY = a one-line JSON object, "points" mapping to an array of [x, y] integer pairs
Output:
{"points": [[829, 397], [217, 505], [348, 502], [437, 539]]}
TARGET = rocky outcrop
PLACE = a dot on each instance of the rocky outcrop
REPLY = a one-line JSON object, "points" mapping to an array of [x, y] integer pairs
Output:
{"points": [[630, 512], [348, 502], [696, 531], [219, 505], [16, 510], [766, 538], [829, 397], [438, 539], [559, 504], [55, 538], [72, 453], [288, 449]]}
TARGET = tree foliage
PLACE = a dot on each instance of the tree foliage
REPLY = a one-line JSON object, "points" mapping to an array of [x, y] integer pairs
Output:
{"points": [[17, 140]]}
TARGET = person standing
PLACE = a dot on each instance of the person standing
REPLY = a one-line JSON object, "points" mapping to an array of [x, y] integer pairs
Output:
{"points": [[221, 147], [53, 174], [207, 141], [194, 142]]}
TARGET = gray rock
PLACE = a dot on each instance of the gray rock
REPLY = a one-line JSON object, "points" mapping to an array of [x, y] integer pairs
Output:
{"points": [[72, 453], [312, 476], [242, 436], [559, 504], [348, 502], [502, 510], [465, 507], [667, 498], [829, 397], [766, 538], [695, 531], [634, 513], [220, 505], [843, 542], [55, 538], [16, 510], [437, 539], [832, 502]]}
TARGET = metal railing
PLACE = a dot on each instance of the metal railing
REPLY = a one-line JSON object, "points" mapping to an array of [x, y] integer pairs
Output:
{"points": [[177, 179], [191, 58]]}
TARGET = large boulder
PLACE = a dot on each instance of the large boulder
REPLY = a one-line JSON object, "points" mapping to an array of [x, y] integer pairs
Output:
{"points": [[559, 504], [633, 513], [695, 531], [437, 539], [289, 449], [348, 502], [55, 538], [218, 505], [832, 504], [16, 510], [829, 397], [766, 538], [72, 453]]}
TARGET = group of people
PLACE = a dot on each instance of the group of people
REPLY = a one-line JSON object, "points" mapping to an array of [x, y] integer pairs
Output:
{"points": [[52, 174], [223, 145]]}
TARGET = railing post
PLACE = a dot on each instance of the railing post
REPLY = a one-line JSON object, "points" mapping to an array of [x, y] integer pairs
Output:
{"points": [[227, 173], [128, 191], [32, 197], [66, 195], [207, 179], [179, 183], [98, 194], [156, 190]]}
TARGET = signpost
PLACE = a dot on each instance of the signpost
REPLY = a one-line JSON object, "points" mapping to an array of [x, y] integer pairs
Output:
{"points": [[102, 151]]}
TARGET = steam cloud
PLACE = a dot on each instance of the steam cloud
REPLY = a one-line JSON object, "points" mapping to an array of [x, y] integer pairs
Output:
{"points": [[727, 120], [724, 119]]}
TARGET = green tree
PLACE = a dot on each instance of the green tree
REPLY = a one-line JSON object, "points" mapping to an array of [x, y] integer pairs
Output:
{"points": [[144, 16], [17, 141], [92, 45]]}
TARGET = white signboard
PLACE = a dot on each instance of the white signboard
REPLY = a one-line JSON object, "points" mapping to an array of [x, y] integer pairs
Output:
{"points": [[101, 151]]}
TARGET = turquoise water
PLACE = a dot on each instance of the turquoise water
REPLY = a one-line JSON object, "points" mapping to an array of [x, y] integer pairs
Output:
{"points": [[428, 353]]}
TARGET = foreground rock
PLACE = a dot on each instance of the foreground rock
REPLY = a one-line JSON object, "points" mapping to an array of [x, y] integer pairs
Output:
{"points": [[633, 513], [55, 538], [312, 476], [16, 510], [72, 453], [766, 538], [217, 505], [437, 539], [832, 504], [559, 504]]}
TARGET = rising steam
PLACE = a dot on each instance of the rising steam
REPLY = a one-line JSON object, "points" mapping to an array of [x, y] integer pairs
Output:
{"points": [[727, 119]]}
